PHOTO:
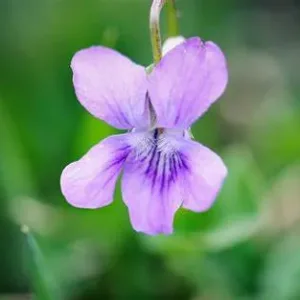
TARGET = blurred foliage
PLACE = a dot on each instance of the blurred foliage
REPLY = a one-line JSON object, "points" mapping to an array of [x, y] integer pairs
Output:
{"points": [[245, 247]]}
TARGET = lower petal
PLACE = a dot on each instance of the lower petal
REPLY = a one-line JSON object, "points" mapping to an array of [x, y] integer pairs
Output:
{"points": [[151, 188], [151, 211], [90, 181], [164, 171], [205, 176]]}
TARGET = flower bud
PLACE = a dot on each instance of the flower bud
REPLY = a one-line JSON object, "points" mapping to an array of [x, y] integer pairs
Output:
{"points": [[171, 43]]}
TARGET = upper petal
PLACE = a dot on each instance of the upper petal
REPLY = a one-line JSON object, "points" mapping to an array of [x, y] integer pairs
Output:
{"points": [[187, 80], [90, 181], [111, 87], [205, 176]]}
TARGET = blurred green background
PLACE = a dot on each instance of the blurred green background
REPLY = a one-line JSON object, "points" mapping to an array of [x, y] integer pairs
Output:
{"points": [[246, 247]]}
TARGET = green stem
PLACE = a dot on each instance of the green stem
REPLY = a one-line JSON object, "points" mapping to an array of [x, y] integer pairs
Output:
{"points": [[156, 8], [173, 27]]}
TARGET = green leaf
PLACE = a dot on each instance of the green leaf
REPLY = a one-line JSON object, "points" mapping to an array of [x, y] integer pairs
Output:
{"points": [[281, 275], [44, 285]]}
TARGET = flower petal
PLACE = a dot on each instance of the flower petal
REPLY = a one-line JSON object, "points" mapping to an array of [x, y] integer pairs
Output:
{"points": [[205, 176], [164, 171], [150, 187], [111, 87], [90, 181], [187, 80]]}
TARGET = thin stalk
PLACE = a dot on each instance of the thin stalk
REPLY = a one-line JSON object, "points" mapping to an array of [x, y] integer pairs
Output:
{"points": [[173, 27], [155, 10], [172, 19]]}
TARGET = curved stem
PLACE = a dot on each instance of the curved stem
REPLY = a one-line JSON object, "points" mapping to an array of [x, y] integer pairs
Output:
{"points": [[156, 8], [173, 27]]}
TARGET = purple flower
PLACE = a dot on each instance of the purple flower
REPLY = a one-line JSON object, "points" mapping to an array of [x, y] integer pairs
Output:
{"points": [[163, 168]]}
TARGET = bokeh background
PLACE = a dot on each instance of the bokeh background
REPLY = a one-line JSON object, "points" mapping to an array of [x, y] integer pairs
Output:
{"points": [[246, 247]]}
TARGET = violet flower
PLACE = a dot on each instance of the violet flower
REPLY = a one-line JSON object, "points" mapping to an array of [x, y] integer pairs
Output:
{"points": [[163, 169]]}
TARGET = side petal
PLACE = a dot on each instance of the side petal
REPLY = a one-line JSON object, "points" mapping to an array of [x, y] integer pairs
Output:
{"points": [[151, 189], [205, 176], [187, 80], [90, 181], [111, 87]]}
